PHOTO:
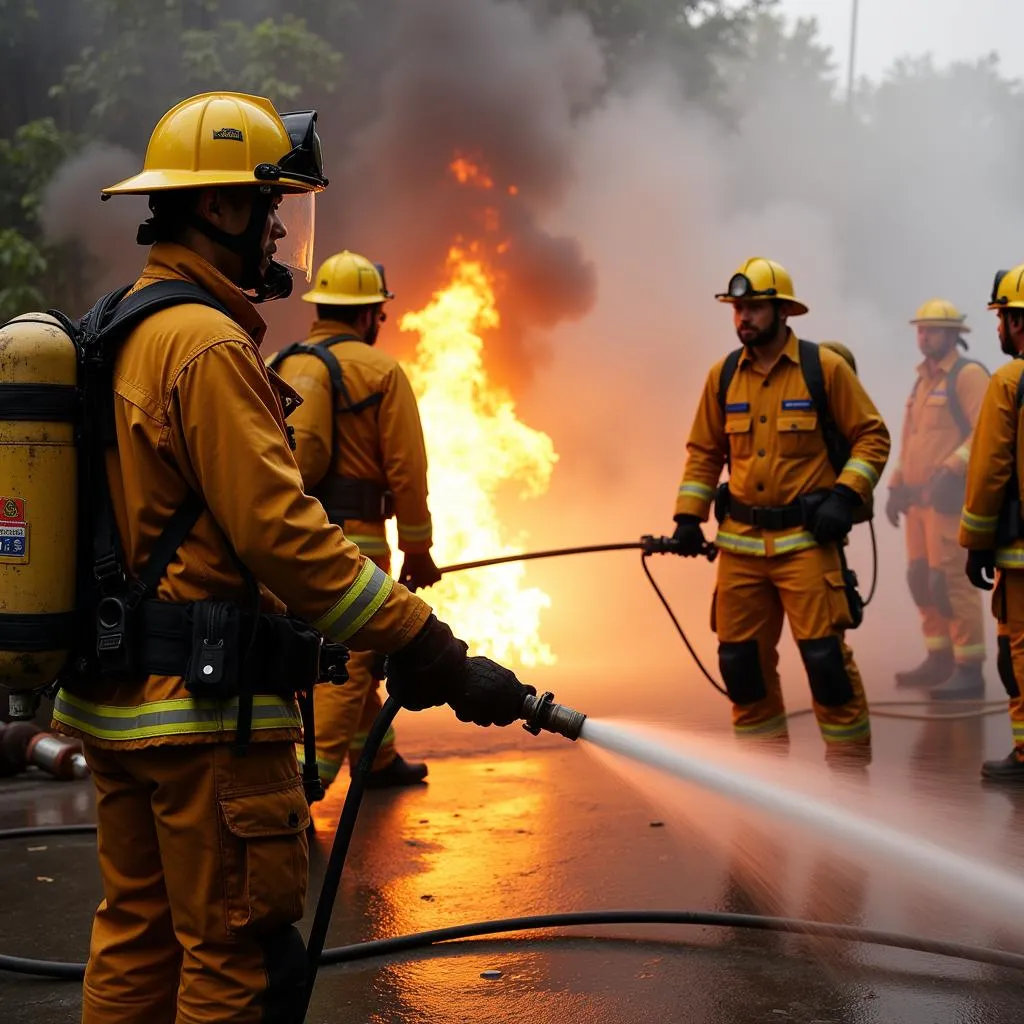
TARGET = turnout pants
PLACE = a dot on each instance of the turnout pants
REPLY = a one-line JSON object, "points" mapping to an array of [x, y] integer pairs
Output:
{"points": [[1008, 607], [951, 609], [345, 713], [204, 862], [752, 596]]}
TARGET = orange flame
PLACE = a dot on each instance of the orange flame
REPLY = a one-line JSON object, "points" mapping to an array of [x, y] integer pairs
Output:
{"points": [[477, 445], [469, 173]]}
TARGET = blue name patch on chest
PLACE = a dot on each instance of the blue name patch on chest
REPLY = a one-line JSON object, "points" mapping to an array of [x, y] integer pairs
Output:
{"points": [[797, 405], [738, 407]]}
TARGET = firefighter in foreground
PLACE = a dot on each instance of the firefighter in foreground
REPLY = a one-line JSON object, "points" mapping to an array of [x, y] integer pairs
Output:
{"points": [[202, 849], [359, 445], [778, 412], [991, 527], [927, 488]]}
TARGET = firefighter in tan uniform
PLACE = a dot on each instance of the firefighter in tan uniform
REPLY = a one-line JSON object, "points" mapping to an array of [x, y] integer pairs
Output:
{"points": [[359, 445], [203, 851], [928, 488], [991, 526], [784, 513]]}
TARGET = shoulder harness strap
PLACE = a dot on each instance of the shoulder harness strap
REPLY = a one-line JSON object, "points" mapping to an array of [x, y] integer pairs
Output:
{"points": [[810, 366], [956, 410]]}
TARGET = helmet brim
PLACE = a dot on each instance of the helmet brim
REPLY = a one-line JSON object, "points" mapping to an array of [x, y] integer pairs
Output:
{"points": [[166, 181]]}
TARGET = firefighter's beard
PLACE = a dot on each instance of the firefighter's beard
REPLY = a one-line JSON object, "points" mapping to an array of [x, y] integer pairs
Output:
{"points": [[762, 337]]}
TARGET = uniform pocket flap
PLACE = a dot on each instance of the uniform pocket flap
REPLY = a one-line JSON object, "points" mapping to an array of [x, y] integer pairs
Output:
{"points": [[278, 811], [835, 580], [738, 424], [801, 424]]}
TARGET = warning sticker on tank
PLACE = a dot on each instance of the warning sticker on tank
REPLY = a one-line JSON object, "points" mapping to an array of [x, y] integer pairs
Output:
{"points": [[13, 530]]}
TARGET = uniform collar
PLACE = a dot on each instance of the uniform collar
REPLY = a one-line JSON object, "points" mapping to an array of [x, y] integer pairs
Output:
{"points": [[324, 329], [790, 351], [944, 365], [170, 261]]}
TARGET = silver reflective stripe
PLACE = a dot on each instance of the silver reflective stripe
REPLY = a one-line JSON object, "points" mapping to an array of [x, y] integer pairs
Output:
{"points": [[170, 717], [358, 604]]}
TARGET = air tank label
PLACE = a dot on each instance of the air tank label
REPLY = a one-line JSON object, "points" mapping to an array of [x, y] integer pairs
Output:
{"points": [[13, 530]]}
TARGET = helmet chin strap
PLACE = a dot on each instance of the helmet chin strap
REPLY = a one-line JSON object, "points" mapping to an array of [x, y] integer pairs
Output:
{"points": [[276, 281]]}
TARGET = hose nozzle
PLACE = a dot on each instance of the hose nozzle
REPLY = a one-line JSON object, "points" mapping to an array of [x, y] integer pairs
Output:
{"points": [[543, 713]]}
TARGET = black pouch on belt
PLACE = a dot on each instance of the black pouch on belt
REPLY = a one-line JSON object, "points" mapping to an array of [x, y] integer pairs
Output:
{"points": [[215, 661], [721, 502], [288, 654]]}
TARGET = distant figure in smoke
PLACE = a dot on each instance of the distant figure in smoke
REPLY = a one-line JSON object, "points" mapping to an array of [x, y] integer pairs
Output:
{"points": [[991, 527], [928, 488], [805, 447], [359, 445]]}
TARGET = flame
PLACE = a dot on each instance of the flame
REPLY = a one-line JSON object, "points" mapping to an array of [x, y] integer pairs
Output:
{"points": [[477, 446], [469, 173]]}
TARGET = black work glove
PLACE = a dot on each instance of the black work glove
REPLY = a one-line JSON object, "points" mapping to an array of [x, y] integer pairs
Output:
{"points": [[897, 504], [688, 538], [425, 672], [419, 571], [834, 519], [489, 694], [981, 569], [946, 491]]}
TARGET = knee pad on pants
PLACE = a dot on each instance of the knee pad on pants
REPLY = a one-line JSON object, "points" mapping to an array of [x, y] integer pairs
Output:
{"points": [[1004, 662], [917, 581], [939, 589], [826, 671], [740, 665], [284, 957]]}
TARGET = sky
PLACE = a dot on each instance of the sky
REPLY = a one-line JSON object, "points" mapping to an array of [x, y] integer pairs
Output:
{"points": [[887, 29]]}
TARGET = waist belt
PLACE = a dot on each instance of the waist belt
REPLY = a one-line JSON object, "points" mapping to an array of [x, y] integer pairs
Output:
{"points": [[768, 517], [222, 651], [347, 498]]}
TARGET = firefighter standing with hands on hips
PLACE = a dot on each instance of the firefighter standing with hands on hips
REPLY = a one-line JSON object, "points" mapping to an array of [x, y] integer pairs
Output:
{"points": [[359, 445], [927, 488], [777, 412], [991, 525], [202, 848]]}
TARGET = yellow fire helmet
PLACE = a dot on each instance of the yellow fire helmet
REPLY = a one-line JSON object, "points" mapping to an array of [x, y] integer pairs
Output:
{"points": [[841, 350], [759, 278], [1008, 289], [940, 313], [348, 279]]}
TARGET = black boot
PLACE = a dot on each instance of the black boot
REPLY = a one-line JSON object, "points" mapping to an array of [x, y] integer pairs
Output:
{"points": [[966, 683], [936, 668], [399, 773], [1009, 770]]}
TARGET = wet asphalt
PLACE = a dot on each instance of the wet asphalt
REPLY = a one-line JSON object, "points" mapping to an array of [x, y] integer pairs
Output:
{"points": [[512, 825]]}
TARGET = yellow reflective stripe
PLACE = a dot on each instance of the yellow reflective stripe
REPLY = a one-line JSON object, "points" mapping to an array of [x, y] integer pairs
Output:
{"points": [[978, 524], [1018, 732], [936, 643], [370, 543], [794, 542], [969, 652], [181, 717], [358, 604], [417, 531], [1009, 558], [690, 489], [359, 740], [845, 733], [740, 545], [964, 452], [862, 468], [773, 727], [327, 769]]}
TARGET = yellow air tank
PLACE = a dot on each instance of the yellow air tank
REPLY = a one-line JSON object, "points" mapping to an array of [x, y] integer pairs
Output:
{"points": [[38, 502]]}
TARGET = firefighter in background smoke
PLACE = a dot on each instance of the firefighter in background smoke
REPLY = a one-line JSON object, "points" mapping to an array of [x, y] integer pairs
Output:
{"points": [[928, 489], [203, 853], [784, 512], [991, 527], [359, 445]]}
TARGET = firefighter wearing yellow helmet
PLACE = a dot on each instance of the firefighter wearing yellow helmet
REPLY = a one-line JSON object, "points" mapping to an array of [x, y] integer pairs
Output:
{"points": [[359, 444], [991, 525], [233, 578], [927, 489], [795, 486]]}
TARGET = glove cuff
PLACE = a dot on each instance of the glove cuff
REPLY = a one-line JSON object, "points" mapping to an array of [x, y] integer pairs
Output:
{"points": [[848, 494], [686, 517], [429, 669]]}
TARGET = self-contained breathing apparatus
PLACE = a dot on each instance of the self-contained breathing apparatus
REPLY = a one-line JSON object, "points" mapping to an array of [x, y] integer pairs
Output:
{"points": [[70, 610], [802, 512]]}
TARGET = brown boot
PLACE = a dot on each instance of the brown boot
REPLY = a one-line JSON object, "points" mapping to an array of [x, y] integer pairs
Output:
{"points": [[1009, 770], [936, 668]]}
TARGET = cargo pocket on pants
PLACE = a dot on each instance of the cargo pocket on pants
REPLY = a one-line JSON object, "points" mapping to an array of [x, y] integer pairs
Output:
{"points": [[266, 856], [839, 613]]}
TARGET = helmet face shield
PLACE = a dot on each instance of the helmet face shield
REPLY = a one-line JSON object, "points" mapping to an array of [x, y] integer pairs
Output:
{"points": [[297, 214], [303, 164], [995, 299]]}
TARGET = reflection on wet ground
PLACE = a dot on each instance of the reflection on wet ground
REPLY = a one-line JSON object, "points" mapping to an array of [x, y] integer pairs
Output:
{"points": [[541, 826]]}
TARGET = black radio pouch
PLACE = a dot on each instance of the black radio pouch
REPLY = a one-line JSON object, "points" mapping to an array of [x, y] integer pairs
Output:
{"points": [[214, 666]]}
